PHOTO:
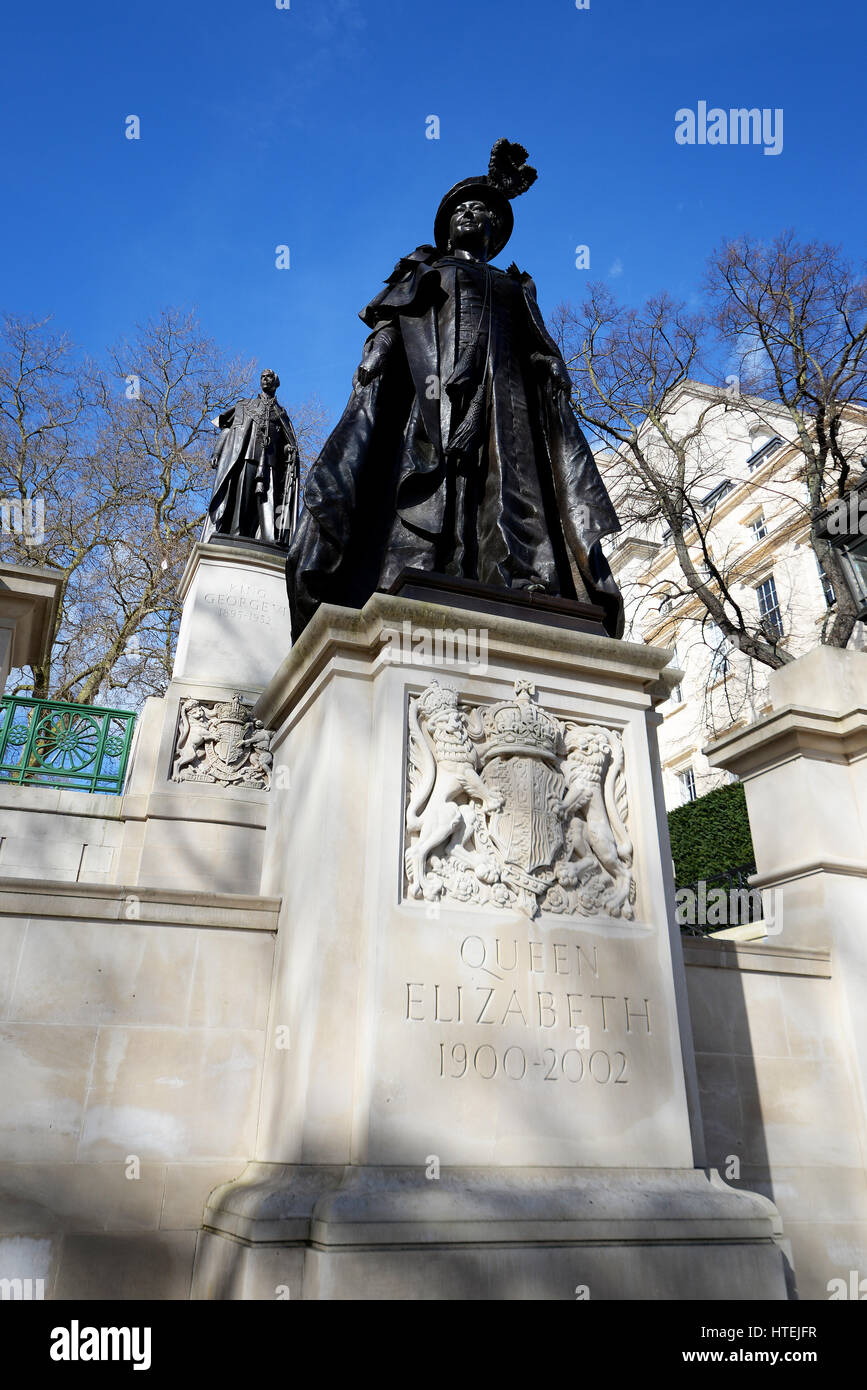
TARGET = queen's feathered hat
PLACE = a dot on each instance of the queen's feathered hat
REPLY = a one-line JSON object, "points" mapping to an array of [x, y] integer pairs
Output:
{"points": [[508, 176]]}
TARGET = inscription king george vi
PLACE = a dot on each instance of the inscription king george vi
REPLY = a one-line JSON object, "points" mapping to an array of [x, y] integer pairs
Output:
{"points": [[246, 603], [513, 808]]}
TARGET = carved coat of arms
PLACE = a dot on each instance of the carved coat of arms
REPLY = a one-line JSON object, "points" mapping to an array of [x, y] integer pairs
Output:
{"points": [[220, 741], [512, 807]]}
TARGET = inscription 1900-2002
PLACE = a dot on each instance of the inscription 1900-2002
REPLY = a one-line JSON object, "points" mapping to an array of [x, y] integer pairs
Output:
{"points": [[516, 999]]}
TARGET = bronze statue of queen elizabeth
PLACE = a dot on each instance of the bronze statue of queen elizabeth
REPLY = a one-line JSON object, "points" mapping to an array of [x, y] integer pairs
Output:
{"points": [[458, 452]]}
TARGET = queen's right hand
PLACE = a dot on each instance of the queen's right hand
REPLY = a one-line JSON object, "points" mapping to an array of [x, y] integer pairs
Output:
{"points": [[367, 370]]}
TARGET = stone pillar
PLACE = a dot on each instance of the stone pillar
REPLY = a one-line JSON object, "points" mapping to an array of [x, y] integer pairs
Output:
{"points": [[475, 1079], [7, 639], [235, 625], [804, 767], [28, 606], [202, 826]]}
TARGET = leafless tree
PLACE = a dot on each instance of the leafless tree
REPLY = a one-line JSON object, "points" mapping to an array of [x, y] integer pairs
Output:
{"points": [[629, 367], [113, 460], [793, 316], [789, 321]]}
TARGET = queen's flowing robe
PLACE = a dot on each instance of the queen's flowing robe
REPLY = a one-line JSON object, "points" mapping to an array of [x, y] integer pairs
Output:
{"points": [[459, 456]]}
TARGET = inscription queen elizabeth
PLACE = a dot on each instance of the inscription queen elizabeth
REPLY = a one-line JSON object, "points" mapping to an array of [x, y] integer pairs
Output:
{"points": [[513, 808]]}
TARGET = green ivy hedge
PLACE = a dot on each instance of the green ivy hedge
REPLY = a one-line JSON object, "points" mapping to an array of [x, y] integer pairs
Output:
{"points": [[711, 834]]}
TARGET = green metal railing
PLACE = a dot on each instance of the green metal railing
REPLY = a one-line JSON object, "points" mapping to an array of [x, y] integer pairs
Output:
{"points": [[52, 743]]}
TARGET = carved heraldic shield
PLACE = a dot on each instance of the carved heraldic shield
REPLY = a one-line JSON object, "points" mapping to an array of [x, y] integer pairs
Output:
{"points": [[511, 807]]}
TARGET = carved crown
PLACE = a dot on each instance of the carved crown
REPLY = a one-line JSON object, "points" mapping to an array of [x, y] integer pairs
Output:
{"points": [[436, 698], [521, 726], [233, 711]]}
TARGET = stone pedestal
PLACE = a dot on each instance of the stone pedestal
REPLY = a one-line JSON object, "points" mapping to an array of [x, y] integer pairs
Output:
{"points": [[479, 1080], [235, 626], [804, 768], [28, 605], [198, 830]]}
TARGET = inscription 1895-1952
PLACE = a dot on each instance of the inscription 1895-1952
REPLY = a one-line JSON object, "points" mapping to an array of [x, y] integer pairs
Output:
{"points": [[247, 601]]}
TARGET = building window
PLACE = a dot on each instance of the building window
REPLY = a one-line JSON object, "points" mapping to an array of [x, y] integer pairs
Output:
{"points": [[676, 696], [758, 526], [764, 451], [769, 606], [686, 778], [719, 662], [827, 586], [716, 494]]}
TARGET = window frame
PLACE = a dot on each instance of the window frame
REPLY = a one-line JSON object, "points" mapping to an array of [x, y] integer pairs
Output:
{"points": [[770, 614], [686, 781]]}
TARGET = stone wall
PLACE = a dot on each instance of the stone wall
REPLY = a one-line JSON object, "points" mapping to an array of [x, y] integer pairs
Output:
{"points": [[777, 1096], [59, 835], [133, 1028], [803, 1091], [166, 834], [133, 1017]]}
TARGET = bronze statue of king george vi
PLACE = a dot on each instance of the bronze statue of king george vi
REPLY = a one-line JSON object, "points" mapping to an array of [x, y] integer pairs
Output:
{"points": [[458, 453], [255, 494]]}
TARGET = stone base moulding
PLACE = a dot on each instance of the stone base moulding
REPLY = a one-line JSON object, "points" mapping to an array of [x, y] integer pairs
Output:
{"points": [[395, 1234], [477, 975]]}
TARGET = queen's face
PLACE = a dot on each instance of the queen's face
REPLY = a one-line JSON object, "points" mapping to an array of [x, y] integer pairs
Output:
{"points": [[471, 226]]}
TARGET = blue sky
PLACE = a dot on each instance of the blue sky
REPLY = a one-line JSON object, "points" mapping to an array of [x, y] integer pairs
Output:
{"points": [[306, 127]]}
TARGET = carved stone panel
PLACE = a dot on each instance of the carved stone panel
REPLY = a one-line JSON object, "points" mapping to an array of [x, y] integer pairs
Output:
{"points": [[221, 742], [511, 807]]}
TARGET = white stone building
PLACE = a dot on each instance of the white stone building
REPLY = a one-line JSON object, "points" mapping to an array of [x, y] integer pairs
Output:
{"points": [[752, 503]]}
